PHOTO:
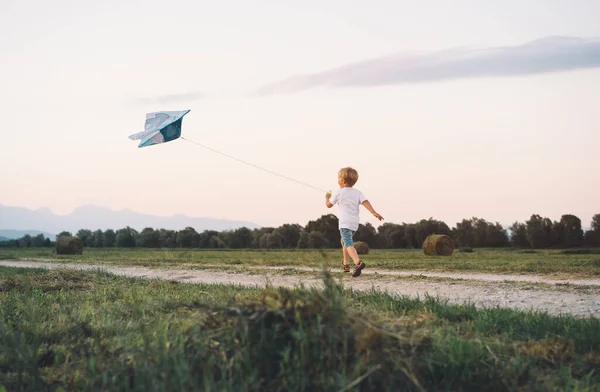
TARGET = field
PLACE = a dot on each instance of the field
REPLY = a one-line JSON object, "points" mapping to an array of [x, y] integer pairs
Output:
{"points": [[576, 263], [64, 329], [94, 331]]}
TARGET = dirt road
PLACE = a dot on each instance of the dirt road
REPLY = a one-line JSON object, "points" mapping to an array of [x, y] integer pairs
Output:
{"points": [[576, 297]]}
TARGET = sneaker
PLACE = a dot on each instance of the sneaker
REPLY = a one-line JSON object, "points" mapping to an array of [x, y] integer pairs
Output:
{"points": [[358, 269]]}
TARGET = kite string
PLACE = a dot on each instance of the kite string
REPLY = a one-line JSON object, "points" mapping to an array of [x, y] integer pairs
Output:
{"points": [[251, 164]]}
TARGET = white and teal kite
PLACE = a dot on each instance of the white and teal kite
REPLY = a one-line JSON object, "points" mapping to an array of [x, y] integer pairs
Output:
{"points": [[161, 127]]}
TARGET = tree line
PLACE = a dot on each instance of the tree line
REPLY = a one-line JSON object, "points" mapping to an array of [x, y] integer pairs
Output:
{"points": [[538, 232]]}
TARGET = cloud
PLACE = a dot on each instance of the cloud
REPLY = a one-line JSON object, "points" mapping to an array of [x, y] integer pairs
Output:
{"points": [[550, 54], [172, 98]]}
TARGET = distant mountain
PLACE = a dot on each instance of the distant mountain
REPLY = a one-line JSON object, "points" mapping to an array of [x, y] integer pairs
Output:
{"points": [[16, 234], [94, 218], [2, 239]]}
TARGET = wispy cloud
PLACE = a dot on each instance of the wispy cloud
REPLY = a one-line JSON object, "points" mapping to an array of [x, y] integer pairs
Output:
{"points": [[172, 98], [550, 54]]}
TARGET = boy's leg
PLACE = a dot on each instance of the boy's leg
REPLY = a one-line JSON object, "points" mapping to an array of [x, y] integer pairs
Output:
{"points": [[345, 256], [349, 242], [348, 245], [351, 251], [360, 265]]}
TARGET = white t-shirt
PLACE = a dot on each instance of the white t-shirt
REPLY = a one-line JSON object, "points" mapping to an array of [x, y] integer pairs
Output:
{"points": [[349, 201]]}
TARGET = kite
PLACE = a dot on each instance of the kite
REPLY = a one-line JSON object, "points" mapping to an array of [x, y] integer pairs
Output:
{"points": [[161, 127]]}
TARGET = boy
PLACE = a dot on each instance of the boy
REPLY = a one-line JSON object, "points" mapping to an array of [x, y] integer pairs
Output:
{"points": [[349, 200]]}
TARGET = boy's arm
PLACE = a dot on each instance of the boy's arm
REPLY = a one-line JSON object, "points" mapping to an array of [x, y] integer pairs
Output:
{"points": [[369, 207], [327, 202]]}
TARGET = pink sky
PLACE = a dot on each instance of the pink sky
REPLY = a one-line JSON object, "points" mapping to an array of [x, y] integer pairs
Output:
{"points": [[500, 148]]}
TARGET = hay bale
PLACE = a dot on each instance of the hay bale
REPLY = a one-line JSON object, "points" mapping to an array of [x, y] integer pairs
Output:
{"points": [[438, 245], [66, 245], [362, 248]]}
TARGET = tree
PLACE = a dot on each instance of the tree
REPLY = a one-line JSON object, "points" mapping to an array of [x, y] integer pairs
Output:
{"points": [[592, 238], [25, 241], [410, 235], [396, 239], [236, 239], [109, 239], [366, 233], [496, 236], [188, 238], [240, 238], [463, 233], [149, 238], [480, 231], [519, 235], [167, 238], [558, 233], [569, 231], [85, 236], [391, 235], [417, 232], [38, 241], [214, 242], [271, 241], [98, 237], [539, 232], [596, 223], [64, 234], [290, 233], [9, 244], [303, 240], [209, 239], [258, 233], [328, 226], [126, 237], [317, 240]]}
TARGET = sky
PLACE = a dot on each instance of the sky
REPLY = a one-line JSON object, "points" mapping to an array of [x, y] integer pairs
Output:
{"points": [[447, 109]]}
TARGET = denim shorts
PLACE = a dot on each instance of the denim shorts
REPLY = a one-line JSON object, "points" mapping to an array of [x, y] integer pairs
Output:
{"points": [[347, 235]]}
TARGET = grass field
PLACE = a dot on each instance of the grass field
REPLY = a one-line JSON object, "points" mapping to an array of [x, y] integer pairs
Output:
{"points": [[576, 263], [66, 329]]}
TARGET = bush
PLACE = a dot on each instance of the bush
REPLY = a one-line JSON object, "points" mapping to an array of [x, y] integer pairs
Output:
{"points": [[67, 245], [466, 250]]}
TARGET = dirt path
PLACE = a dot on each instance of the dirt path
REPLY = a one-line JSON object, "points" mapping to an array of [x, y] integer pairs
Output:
{"points": [[576, 297], [458, 275]]}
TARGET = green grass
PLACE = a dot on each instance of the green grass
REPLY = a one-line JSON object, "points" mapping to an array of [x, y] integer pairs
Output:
{"points": [[576, 263], [65, 329]]}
